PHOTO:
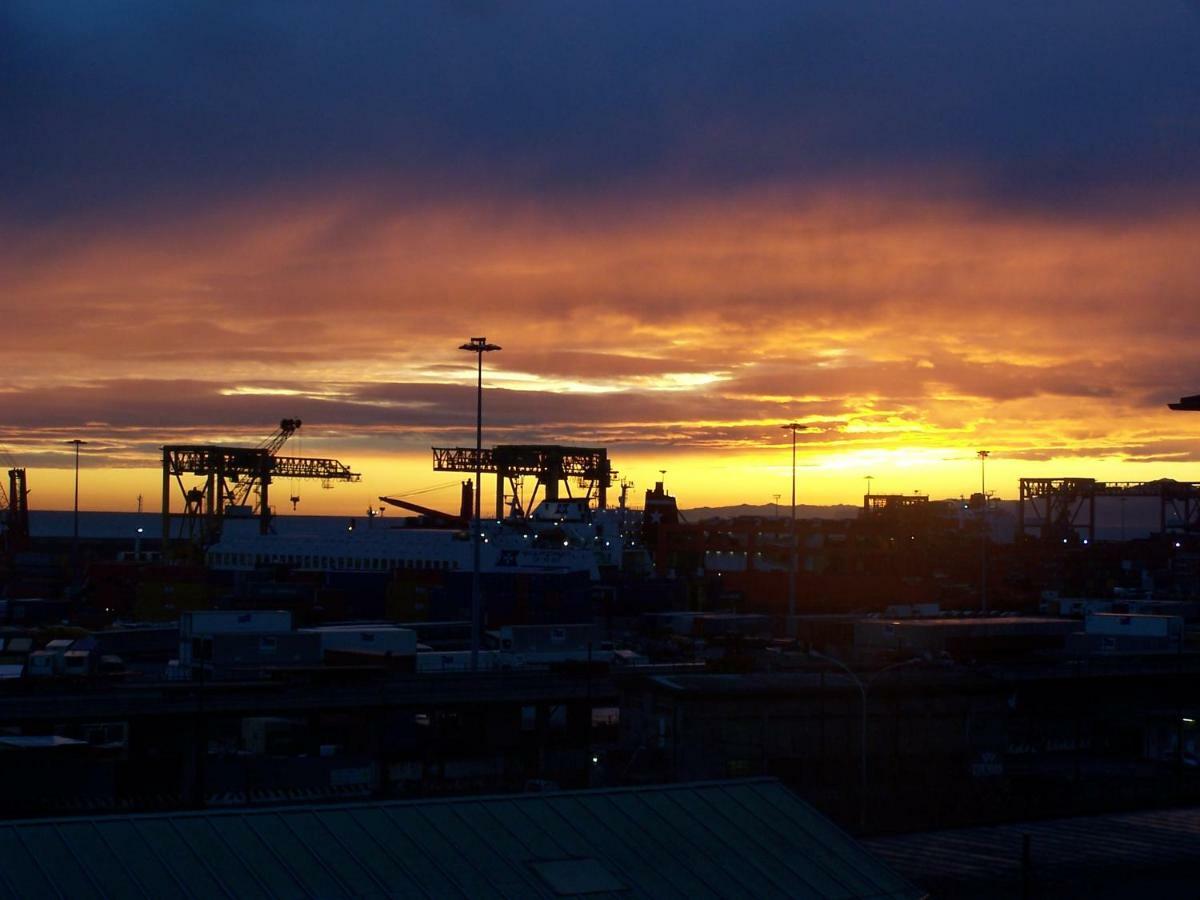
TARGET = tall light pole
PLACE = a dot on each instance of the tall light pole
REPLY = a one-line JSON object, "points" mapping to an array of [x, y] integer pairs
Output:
{"points": [[478, 346], [793, 427], [983, 597], [863, 688], [75, 523]]}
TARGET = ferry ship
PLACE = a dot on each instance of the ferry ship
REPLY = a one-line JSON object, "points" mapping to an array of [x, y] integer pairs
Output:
{"points": [[560, 536]]}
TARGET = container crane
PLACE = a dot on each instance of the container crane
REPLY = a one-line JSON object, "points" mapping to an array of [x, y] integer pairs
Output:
{"points": [[232, 475], [15, 509], [550, 464]]}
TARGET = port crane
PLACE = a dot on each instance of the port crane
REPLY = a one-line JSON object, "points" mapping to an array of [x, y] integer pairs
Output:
{"points": [[14, 505], [233, 477], [549, 464]]}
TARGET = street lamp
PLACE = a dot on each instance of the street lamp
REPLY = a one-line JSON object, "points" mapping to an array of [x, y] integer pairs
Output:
{"points": [[983, 567], [478, 346], [793, 427], [863, 688], [75, 520]]}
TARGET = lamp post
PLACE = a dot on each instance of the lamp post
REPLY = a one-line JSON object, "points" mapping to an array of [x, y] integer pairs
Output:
{"points": [[983, 553], [75, 520], [863, 688], [478, 346], [793, 427]]}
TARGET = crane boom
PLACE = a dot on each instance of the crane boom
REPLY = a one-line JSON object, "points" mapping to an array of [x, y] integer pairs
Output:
{"points": [[428, 512], [273, 444]]}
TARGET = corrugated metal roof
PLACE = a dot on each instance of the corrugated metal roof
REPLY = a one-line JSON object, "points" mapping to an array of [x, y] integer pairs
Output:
{"points": [[713, 839]]}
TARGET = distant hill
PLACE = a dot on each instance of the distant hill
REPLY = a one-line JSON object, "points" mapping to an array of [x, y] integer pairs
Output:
{"points": [[1138, 518], [768, 510]]}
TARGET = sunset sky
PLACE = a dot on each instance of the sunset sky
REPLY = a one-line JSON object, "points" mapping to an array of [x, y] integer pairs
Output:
{"points": [[919, 228]]}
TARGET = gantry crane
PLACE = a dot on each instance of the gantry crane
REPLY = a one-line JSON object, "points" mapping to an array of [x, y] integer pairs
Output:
{"points": [[233, 475], [14, 510], [550, 464]]}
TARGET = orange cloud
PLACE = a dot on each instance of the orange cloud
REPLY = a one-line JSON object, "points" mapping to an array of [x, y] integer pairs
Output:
{"points": [[685, 330]]}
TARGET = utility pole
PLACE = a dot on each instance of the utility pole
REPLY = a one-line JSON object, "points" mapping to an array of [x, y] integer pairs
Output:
{"points": [[983, 569], [478, 346], [793, 427], [75, 522], [864, 688]]}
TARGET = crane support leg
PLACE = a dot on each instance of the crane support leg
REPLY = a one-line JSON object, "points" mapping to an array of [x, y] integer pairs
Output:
{"points": [[166, 501]]}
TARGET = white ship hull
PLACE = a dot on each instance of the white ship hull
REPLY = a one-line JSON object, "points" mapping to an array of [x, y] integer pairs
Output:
{"points": [[588, 543]]}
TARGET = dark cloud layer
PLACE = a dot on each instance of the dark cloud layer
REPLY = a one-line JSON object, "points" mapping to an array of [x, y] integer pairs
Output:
{"points": [[918, 227], [142, 102]]}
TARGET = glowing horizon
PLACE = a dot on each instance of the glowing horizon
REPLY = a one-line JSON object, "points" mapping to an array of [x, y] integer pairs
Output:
{"points": [[695, 481]]}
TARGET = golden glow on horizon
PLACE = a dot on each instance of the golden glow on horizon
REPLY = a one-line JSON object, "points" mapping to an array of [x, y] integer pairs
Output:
{"points": [[695, 479]]}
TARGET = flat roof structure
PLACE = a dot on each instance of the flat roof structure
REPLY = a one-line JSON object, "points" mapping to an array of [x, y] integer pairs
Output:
{"points": [[1151, 854], [943, 633], [751, 838], [183, 700]]}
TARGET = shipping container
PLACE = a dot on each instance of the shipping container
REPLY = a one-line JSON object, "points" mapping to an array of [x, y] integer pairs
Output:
{"points": [[377, 638]]}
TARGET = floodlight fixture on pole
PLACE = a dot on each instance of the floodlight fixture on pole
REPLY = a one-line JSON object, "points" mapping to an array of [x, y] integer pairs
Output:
{"points": [[478, 346], [75, 519], [793, 427], [983, 553], [864, 688]]}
